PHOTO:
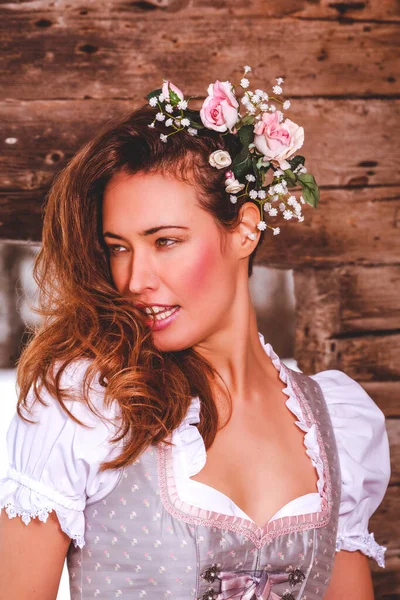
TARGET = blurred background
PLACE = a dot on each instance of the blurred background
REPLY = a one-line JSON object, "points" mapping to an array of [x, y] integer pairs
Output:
{"points": [[326, 290]]}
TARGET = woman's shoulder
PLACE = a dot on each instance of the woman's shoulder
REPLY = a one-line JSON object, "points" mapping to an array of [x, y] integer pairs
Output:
{"points": [[53, 461]]}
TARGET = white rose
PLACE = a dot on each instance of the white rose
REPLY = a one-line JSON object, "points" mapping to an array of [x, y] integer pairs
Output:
{"points": [[232, 186], [220, 159]]}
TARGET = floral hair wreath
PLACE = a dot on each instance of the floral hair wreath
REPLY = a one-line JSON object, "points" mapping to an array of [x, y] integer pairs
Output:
{"points": [[268, 141]]}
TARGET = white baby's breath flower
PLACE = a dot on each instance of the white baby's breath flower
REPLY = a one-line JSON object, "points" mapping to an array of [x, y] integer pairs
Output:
{"points": [[169, 108], [251, 109], [169, 122], [259, 92], [297, 208], [278, 188], [150, 125], [247, 69], [281, 116], [220, 159], [153, 101], [163, 137], [185, 122], [244, 83], [192, 130], [255, 99], [233, 199], [270, 190], [276, 230], [273, 212], [277, 90], [272, 108], [279, 80], [264, 106], [252, 145], [292, 200], [253, 194], [301, 219], [250, 177], [182, 104], [261, 194], [302, 199], [261, 225], [286, 104], [267, 205], [161, 97], [287, 214], [265, 96], [282, 206], [303, 169], [160, 116], [278, 173], [275, 198]]}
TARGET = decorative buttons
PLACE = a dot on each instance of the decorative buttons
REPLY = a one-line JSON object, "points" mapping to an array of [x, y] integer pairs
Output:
{"points": [[208, 595], [211, 573], [296, 576]]}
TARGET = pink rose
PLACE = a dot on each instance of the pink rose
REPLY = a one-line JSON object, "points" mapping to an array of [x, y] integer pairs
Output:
{"points": [[277, 141], [167, 85], [220, 108]]}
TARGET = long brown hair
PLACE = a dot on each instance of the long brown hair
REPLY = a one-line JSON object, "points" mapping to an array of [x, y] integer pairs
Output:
{"points": [[84, 316]]}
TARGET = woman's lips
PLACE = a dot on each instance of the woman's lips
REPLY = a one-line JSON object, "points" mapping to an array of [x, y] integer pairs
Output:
{"points": [[161, 323]]}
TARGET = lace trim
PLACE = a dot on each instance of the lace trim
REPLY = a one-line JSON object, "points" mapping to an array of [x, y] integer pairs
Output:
{"points": [[365, 543], [42, 514]]}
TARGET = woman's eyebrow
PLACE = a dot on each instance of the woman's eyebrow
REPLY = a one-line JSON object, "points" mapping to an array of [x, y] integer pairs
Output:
{"points": [[145, 232]]}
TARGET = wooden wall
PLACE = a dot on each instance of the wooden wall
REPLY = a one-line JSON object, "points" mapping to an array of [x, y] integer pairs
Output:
{"points": [[69, 66]]}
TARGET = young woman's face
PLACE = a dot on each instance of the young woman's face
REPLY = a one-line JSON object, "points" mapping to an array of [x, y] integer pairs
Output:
{"points": [[165, 250]]}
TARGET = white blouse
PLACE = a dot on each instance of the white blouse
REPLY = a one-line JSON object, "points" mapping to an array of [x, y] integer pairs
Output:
{"points": [[53, 465]]}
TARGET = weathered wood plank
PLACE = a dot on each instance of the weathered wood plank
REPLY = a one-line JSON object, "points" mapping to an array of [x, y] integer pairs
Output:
{"points": [[122, 51], [47, 133], [385, 394], [336, 323], [393, 429], [387, 10], [348, 299]]}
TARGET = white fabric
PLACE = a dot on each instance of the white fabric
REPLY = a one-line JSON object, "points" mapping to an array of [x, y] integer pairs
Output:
{"points": [[54, 464]]}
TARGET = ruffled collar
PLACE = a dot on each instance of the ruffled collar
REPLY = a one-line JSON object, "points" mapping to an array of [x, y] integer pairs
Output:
{"points": [[189, 453]]}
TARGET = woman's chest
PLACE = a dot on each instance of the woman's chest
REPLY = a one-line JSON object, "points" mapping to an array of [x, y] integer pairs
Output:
{"points": [[259, 461]]}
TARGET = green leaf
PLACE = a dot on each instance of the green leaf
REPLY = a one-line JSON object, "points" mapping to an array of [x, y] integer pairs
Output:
{"points": [[296, 161], [310, 189], [290, 177], [154, 93], [241, 163], [247, 120], [173, 97], [246, 135]]}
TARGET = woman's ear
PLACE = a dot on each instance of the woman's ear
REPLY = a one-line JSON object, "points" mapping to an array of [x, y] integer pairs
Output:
{"points": [[249, 217]]}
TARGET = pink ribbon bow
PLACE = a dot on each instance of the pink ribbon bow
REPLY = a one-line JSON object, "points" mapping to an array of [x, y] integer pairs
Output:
{"points": [[248, 586]]}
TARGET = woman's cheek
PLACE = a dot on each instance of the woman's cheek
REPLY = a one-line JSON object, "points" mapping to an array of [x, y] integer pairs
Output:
{"points": [[199, 270]]}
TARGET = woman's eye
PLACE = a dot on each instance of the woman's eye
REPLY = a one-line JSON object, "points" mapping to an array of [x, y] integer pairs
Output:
{"points": [[114, 249], [165, 240]]}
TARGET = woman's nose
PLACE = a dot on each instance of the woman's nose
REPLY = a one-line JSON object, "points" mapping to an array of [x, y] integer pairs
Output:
{"points": [[142, 275]]}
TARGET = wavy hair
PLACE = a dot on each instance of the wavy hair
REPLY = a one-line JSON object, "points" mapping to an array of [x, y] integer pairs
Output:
{"points": [[83, 314]]}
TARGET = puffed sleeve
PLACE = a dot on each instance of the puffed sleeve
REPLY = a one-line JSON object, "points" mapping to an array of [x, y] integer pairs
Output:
{"points": [[363, 447], [53, 463]]}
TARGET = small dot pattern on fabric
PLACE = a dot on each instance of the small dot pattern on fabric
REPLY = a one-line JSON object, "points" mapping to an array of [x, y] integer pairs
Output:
{"points": [[140, 542]]}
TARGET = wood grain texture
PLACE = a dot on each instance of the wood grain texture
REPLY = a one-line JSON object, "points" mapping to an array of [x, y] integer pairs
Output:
{"points": [[109, 55], [68, 68]]}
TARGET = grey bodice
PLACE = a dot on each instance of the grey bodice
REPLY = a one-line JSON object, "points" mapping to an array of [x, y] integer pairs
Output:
{"points": [[142, 541]]}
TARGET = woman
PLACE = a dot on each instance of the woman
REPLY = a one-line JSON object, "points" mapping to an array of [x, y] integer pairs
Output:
{"points": [[266, 481]]}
